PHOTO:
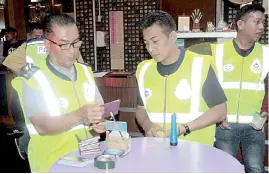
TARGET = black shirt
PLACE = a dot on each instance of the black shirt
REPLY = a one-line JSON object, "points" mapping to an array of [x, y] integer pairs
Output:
{"points": [[212, 92], [9, 48]]}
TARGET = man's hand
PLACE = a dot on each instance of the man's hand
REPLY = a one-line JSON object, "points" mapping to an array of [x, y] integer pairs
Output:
{"points": [[99, 127], [225, 124], [91, 113], [153, 129]]}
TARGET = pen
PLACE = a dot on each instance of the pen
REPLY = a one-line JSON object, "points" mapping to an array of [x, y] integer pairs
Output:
{"points": [[113, 118]]}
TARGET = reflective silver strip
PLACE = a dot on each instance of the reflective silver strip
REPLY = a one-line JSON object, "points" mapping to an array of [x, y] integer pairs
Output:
{"points": [[48, 94], [196, 74], [241, 118], [265, 63], [181, 117], [245, 85], [49, 97], [253, 86], [33, 131], [141, 82], [35, 42], [29, 59], [219, 62], [187, 117], [90, 80]]}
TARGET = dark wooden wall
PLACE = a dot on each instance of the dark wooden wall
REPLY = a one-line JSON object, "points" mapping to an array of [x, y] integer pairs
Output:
{"points": [[15, 16], [181, 7]]}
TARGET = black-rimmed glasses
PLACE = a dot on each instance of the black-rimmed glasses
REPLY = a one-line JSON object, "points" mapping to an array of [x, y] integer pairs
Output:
{"points": [[76, 44]]}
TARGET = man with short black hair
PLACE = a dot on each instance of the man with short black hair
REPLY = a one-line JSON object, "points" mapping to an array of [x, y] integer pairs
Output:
{"points": [[241, 66], [176, 81], [12, 41], [59, 96], [35, 30]]}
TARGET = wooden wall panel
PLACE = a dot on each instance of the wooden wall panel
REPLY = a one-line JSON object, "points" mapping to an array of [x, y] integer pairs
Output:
{"points": [[15, 16], [2, 18], [125, 89]]}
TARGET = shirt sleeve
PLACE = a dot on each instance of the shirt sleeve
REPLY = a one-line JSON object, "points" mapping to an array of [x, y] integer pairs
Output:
{"points": [[33, 101], [212, 92], [16, 60]]}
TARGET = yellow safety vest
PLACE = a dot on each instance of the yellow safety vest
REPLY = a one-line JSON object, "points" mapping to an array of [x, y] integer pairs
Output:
{"points": [[61, 97], [35, 50], [183, 94], [242, 79]]}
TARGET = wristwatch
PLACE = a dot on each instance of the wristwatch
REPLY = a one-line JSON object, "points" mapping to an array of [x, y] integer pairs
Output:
{"points": [[187, 129]]}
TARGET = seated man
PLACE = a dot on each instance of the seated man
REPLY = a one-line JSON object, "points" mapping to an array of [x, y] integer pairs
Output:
{"points": [[58, 97], [31, 51]]}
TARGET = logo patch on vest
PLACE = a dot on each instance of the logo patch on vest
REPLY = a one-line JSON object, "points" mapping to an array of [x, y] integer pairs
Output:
{"points": [[148, 93], [256, 66], [228, 68], [42, 50], [63, 102], [183, 90], [88, 92]]}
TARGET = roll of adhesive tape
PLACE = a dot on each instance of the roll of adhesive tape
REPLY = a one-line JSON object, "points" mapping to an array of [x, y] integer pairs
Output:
{"points": [[105, 161]]}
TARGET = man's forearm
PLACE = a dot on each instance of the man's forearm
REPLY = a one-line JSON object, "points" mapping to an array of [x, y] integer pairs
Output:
{"points": [[46, 125], [142, 117], [214, 115]]}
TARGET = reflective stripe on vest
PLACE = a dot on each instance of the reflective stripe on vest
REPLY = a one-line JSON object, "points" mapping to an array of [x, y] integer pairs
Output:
{"points": [[33, 131], [181, 117], [91, 82], [245, 85], [196, 74], [35, 42], [29, 60], [236, 85], [241, 118], [265, 67], [48, 94], [141, 82]]}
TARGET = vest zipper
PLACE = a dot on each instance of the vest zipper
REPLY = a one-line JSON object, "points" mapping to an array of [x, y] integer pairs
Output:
{"points": [[238, 104], [164, 107], [86, 133]]}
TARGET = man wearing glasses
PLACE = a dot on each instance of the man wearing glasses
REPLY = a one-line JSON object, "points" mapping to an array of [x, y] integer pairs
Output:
{"points": [[59, 97]]}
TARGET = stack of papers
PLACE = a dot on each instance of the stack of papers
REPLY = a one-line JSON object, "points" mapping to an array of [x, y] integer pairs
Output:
{"points": [[89, 146]]}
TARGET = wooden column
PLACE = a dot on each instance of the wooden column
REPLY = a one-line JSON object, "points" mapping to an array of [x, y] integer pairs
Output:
{"points": [[15, 16], [219, 11], [125, 89]]}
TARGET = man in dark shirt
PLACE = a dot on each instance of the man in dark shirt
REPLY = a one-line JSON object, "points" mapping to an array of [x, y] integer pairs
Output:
{"points": [[12, 44], [12, 41], [160, 40], [246, 57]]}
